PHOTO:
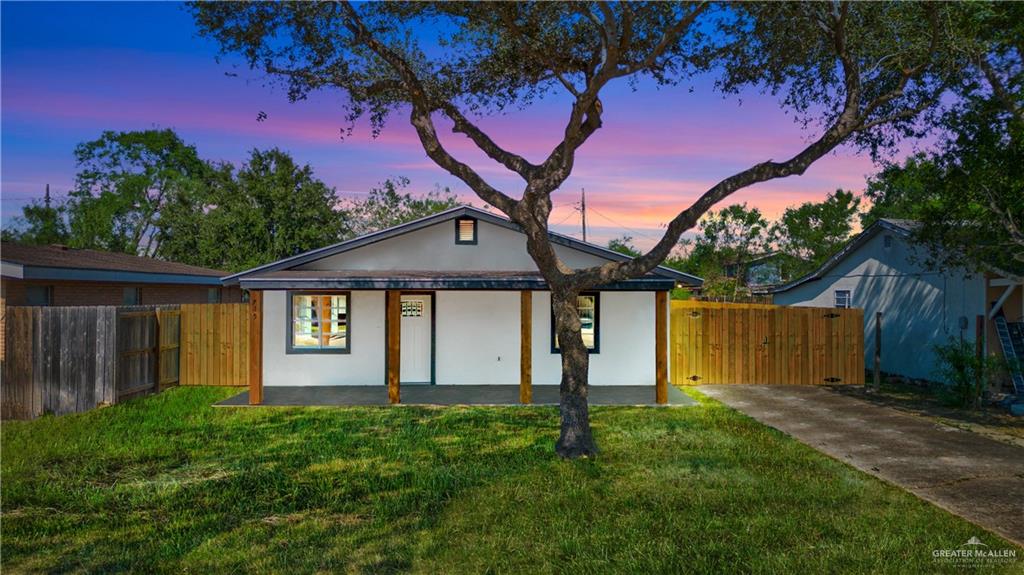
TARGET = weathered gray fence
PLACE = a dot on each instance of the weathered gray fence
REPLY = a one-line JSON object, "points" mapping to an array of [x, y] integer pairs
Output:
{"points": [[69, 359]]}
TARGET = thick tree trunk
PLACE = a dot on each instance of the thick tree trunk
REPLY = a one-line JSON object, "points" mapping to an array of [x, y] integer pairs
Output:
{"points": [[576, 438]]}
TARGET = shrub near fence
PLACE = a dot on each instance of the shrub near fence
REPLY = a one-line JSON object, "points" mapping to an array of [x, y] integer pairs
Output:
{"points": [[760, 343], [68, 359]]}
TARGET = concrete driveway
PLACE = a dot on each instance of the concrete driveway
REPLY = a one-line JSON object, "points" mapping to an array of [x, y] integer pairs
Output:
{"points": [[972, 476]]}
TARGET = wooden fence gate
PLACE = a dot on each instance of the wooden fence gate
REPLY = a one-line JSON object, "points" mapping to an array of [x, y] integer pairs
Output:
{"points": [[70, 359], [147, 344], [758, 343], [215, 344]]}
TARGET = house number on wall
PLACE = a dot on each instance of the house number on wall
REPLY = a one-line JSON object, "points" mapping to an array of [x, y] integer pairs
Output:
{"points": [[412, 309]]}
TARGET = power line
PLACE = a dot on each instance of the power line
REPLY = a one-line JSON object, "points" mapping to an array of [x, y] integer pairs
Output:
{"points": [[566, 218], [628, 229]]}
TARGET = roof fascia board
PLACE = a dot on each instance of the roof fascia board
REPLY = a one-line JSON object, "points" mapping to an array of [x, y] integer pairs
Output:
{"points": [[851, 246], [12, 270], [647, 284], [83, 274]]}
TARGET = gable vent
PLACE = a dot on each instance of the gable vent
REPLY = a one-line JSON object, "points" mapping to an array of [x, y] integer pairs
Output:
{"points": [[465, 231]]}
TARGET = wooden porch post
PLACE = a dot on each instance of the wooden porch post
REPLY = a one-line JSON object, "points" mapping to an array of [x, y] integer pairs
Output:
{"points": [[661, 347], [393, 303], [255, 347], [526, 347]]}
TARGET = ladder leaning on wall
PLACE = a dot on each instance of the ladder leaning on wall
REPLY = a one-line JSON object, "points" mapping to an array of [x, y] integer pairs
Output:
{"points": [[1011, 338]]}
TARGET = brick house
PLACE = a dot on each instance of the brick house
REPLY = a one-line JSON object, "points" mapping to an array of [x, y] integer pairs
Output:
{"points": [[61, 276]]}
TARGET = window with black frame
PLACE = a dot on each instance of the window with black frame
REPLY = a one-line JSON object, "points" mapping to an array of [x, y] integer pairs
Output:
{"points": [[319, 323], [588, 308]]}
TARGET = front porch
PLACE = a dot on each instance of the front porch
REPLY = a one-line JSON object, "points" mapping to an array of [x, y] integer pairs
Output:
{"points": [[345, 395]]}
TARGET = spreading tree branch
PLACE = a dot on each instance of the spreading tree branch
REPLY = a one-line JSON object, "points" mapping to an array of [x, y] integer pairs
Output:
{"points": [[846, 123], [999, 89], [421, 119]]}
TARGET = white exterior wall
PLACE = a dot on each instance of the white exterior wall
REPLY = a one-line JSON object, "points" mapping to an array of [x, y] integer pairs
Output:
{"points": [[920, 307], [626, 331], [364, 365], [476, 339], [434, 248]]}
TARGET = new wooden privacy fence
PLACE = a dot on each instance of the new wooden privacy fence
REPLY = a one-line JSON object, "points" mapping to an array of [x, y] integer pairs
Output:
{"points": [[215, 344], [759, 343]]}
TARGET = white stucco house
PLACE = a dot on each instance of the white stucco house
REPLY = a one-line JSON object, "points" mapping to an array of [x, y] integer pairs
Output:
{"points": [[453, 298], [882, 270]]}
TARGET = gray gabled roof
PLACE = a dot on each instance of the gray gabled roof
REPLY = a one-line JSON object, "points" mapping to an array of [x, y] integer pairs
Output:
{"points": [[461, 211], [901, 227]]}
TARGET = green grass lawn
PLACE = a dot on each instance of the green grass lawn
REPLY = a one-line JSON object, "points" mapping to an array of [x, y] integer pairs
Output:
{"points": [[168, 483]]}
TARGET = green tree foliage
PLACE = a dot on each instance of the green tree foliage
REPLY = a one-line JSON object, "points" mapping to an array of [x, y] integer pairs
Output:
{"points": [[124, 181], [40, 223], [860, 73], [726, 242], [268, 209], [968, 195], [150, 193], [624, 245], [387, 206], [813, 231]]}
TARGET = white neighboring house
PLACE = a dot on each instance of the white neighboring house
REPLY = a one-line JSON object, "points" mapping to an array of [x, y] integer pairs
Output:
{"points": [[465, 282], [881, 270]]}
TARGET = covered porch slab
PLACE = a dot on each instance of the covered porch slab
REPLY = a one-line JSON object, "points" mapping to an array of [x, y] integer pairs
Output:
{"points": [[345, 395]]}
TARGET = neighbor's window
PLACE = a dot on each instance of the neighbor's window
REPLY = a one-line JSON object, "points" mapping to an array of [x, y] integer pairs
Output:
{"points": [[39, 295], [887, 241], [130, 296], [465, 231], [319, 323], [588, 307], [842, 298], [212, 295]]}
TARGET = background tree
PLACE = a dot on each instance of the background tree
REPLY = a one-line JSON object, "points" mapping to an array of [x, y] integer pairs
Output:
{"points": [[968, 195], [40, 223], [124, 181], [814, 231], [624, 245], [860, 73], [387, 206], [726, 242], [271, 208]]}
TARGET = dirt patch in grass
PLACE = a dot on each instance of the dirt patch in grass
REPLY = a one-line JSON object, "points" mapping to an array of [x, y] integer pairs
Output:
{"points": [[988, 420]]}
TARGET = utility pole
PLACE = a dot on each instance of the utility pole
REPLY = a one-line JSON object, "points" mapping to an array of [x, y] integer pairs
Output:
{"points": [[46, 200], [583, 210]]}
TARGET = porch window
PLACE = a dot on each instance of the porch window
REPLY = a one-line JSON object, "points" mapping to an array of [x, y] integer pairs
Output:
{"points": [[318, 323], [842, 298], [588, 306], [465, 231]]}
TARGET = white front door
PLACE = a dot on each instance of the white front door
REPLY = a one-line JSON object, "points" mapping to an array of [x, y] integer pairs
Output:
{"points": [[416, 338]]}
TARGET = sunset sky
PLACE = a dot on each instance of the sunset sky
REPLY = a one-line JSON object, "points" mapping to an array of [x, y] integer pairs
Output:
{"points": [[70, 71]]}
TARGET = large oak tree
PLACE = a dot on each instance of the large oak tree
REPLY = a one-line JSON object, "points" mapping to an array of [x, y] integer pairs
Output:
{"points": [[859, 73]]}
